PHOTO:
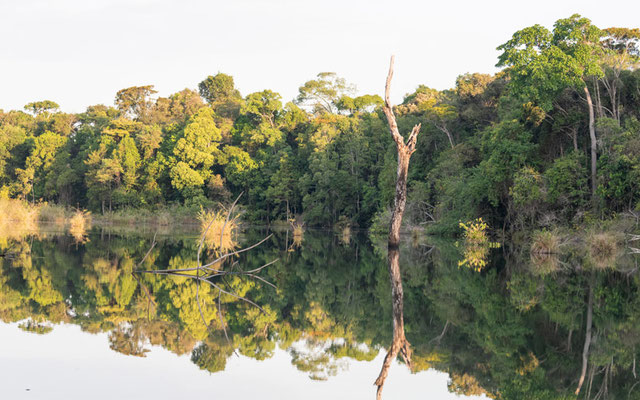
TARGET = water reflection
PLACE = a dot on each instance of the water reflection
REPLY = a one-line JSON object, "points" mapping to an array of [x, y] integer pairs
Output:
{"points": [[515, 330]]}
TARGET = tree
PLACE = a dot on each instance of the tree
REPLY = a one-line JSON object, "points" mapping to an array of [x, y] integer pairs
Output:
{"points": [[177, 108], [365, 103], [134, 101], [323, 94], [195, 153], [542, 64], [45, 108], [435, 106], [218, 88], [622, 53], [41, 159]]}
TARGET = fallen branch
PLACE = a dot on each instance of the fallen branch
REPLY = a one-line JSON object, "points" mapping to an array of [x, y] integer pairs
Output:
{"points": [[206, 273]]}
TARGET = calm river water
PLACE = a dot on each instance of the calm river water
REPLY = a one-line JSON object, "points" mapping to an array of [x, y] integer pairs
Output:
{"points": [[78, 321]]}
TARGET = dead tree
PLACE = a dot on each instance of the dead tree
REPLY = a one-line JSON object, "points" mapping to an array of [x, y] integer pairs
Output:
{"points": [[405, 150]]}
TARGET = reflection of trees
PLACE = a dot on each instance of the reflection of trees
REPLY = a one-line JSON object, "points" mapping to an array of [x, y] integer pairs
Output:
{"points": [[513, 331], [128, 340], [211, 355]]}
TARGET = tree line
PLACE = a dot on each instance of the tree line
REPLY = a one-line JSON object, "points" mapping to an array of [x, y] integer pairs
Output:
{"points": [[552, 138]]}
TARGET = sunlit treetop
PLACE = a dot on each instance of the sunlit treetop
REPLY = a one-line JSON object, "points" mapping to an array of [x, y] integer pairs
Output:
{"points": [[42, 107], [218, 88]]}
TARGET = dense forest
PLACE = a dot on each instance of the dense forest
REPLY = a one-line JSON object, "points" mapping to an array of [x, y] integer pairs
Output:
{"points": [[552, 139]]}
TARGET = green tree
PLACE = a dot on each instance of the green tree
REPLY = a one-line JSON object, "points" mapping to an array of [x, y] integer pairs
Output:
{"points": [[541, 64], [323, 94], [218, 88], [134, 101], [44, 108]]}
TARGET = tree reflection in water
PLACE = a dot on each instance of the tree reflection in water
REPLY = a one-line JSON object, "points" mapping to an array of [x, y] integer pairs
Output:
{"points": [[515, 330]]}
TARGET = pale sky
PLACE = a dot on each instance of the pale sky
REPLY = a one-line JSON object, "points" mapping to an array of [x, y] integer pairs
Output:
{"points": [[81, 52]]}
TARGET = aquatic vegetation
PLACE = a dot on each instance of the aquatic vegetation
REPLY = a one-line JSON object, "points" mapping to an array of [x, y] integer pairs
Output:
{"points": [[545, 251], [52, 213], [545, 242], [219, 231], [603, 248], [298, 233], [476, 244], [79, 223]]}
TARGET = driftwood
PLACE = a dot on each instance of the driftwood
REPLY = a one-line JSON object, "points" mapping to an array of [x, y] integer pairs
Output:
{"points": [[405, 150]]}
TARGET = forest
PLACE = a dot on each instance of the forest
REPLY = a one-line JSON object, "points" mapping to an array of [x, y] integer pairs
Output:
{"points": [[553, 139]]}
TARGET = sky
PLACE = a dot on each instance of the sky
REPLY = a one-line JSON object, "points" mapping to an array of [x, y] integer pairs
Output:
{"points": [[81, 52]]}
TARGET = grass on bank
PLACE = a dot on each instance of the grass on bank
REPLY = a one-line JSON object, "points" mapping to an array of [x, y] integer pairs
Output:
{"points": [[19, 218], [161, 217]]}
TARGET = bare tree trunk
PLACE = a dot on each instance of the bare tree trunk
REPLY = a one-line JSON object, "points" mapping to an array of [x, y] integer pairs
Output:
{"points": [[600, 111], [405, 150], [587, 341], [443, 128], [594, 144]]}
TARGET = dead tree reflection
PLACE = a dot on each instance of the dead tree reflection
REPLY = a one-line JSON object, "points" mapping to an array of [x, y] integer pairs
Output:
{"points": [[405, 150]]}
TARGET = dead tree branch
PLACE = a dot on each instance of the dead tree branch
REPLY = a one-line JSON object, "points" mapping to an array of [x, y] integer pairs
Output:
{"points": [[206, 273]]}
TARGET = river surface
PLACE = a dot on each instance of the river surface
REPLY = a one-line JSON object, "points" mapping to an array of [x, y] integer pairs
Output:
{"points": [[78, 319]]}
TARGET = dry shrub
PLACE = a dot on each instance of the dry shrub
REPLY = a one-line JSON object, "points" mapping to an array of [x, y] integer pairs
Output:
{"points": [[603, 248], [79, 223], [298, 233], [545, 263], [345, 235], [17, 218], [545, 242], [545, 252], [219, 234]]}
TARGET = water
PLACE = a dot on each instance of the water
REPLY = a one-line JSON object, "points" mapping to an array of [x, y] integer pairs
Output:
{"points": [[77, 322]]}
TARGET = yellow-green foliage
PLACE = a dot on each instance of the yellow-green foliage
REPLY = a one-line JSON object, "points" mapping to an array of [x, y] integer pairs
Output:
{"points": [[183, 301], [35, 327], [466, 385], [475, 232], [476, 244]]}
